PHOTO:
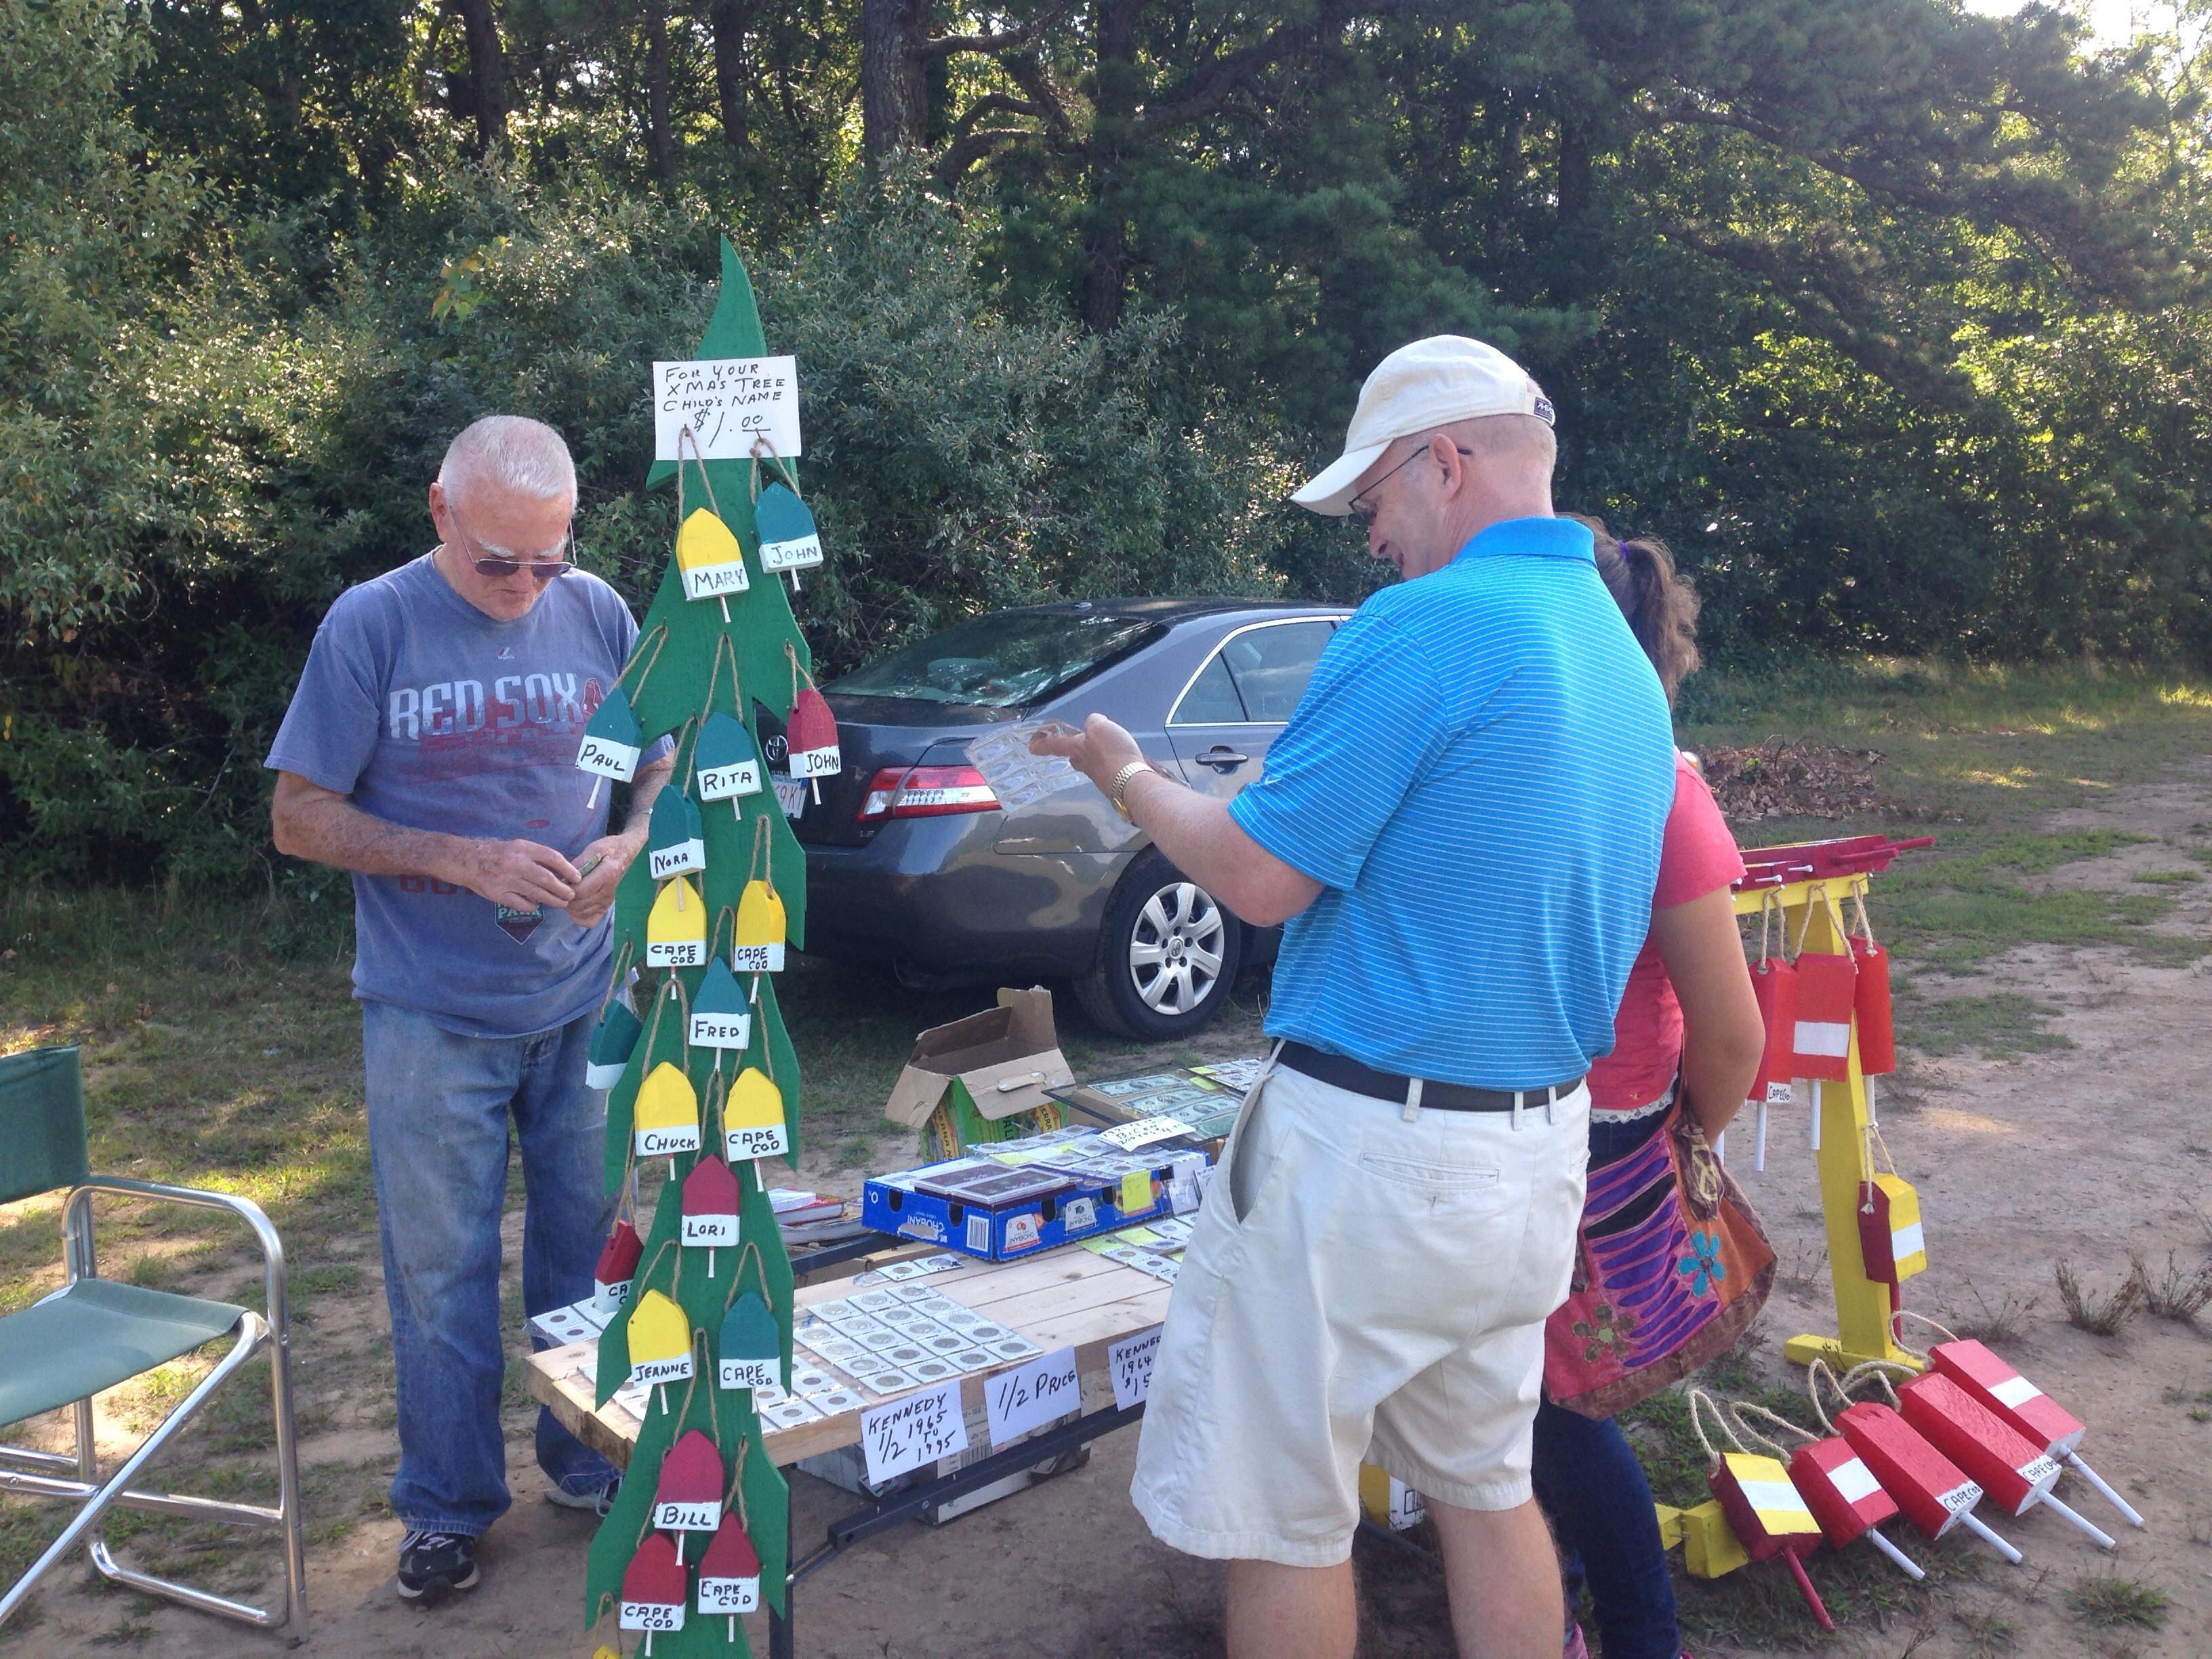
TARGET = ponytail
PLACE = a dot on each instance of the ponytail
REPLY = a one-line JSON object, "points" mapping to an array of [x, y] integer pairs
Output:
{"points": [[1658, 601]]}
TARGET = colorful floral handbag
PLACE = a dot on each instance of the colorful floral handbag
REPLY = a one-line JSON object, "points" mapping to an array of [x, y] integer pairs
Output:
{"points": [[1671, 1267]]}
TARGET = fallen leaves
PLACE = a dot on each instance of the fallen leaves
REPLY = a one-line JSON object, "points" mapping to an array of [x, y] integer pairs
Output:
{"points": [[1782, 779]]}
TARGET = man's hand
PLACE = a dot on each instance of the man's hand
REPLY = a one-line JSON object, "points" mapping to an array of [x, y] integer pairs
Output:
{"points": [[601, 866], [1099, 751], [519, 874]]}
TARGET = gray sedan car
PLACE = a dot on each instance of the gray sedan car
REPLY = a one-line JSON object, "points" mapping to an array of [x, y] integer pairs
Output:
{"points": [[912, 862]]}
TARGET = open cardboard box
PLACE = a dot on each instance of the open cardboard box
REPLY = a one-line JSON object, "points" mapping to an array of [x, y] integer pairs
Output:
{"points": [[1004, 1060]]}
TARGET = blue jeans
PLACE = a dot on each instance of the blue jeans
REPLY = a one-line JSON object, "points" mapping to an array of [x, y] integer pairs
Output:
{"points": [[1589, 1481], [438, 1108]]}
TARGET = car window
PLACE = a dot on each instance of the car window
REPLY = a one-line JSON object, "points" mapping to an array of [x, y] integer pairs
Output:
{"points": [[1003, 660], [1211, 699], [1272, 665]]}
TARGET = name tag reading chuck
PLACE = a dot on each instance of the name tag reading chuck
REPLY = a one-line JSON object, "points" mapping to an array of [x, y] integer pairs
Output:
{"points": [[666, 1120]]}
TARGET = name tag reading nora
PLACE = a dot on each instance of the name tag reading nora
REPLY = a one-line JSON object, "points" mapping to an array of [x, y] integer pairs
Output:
{"points": [[675, 845]]}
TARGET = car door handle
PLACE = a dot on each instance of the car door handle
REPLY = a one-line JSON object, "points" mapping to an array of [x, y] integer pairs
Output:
{"points": [[1223, 758]]}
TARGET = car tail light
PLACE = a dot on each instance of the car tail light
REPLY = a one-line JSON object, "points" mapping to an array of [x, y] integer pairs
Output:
{"points": [[925, 791]]}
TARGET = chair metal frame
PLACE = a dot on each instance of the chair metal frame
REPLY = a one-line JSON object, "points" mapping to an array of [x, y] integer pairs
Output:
{"points": [[78, 1479]]}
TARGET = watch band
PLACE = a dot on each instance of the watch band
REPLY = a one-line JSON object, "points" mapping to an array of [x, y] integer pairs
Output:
{"points": [[1118, 790]]}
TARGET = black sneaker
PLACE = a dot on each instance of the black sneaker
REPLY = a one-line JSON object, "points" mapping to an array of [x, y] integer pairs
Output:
{"points": [[591, 1502], [432, 1563]]}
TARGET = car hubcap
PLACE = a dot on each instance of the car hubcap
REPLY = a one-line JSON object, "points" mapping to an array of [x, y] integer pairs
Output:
{"points": [[1174, 950]]}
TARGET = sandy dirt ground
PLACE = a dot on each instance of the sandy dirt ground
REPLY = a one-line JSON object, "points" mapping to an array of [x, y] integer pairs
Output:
{"points": [[2085, 1152]]}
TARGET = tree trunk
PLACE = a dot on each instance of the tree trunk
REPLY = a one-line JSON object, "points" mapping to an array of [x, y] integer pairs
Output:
{"points": [[729, 18], [894, 74], [487, 70], [660, 147], [1113, 138]]}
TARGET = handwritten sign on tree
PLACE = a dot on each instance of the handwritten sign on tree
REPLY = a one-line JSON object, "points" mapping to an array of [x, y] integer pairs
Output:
{"points": [[738, 407]]}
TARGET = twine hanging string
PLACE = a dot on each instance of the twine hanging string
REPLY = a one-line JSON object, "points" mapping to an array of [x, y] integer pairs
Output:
{"points": [[699, 460], [1898, 1336], [760, 1271], [765, 451], [1876, 1371], [722, 649], [1698, 1397], [762, 865], [1870, 1140], [606, 1598], [687, 745], [658, 640], [1816, 1373], [1866, 925], [615, 983], [1744, 1408], [798, 671]]}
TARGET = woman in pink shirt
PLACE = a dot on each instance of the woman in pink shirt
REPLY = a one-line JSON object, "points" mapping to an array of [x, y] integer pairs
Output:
{"points": [[1686, 1039]]}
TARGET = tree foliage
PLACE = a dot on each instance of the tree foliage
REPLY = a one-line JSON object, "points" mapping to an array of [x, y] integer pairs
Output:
{"points": [[1889, 317]]}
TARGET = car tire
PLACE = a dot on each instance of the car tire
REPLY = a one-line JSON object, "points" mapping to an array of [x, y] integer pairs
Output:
{"points": [[1167, 955]]}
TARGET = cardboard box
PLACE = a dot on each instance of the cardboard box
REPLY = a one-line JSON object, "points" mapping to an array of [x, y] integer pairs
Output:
{"points": [[983, 1204], [996, 1063]]}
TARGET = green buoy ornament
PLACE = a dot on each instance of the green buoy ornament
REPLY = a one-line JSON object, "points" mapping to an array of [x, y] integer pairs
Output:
{"points": [[613, 742], [612, 1044], [788, 539], [676, 841], [721, 1018], [751, 1347], [727, 760]]}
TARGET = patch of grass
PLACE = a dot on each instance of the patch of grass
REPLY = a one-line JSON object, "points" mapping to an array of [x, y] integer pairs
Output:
{"points": [[1997, 1027], [2174, 1292], [1802, 1269], [2168, 877], [2001, 1323], [1971, 901], [2101, 1313], [2112, 1601], [1987, 1635]]}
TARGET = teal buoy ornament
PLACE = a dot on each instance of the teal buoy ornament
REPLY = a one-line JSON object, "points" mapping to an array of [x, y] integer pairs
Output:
{"points": [[675, 842], [612, 1044], [788, 539], [720, 1017], [727, 760], [613, 742], [751, 1348]]}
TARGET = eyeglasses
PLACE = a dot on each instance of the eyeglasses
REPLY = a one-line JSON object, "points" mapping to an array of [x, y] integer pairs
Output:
{"points": [[1366, 514], [541, 570]]}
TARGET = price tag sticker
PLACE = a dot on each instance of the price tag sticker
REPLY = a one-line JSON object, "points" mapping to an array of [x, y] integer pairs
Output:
{"points": [[1136, 1191], [1144, 1131], [1129, 1362], [911, 1432]]}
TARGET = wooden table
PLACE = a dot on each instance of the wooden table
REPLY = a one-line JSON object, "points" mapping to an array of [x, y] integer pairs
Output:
{"points": [[1069, 1297]]}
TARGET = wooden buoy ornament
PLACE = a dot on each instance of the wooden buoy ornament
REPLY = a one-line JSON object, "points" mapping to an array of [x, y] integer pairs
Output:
{"points": [[751, 1347], [675, 841], [613, 1041], [689, 1496], [676, 927], [653, 1590], [1934, 1493], [1763, 1508], [752, 1118], [730, 1573], [2017, 1474], [711, 1202], [1837, 1486], [659, 1344], [666, 1120], [617, 1266], [720, 1017]]}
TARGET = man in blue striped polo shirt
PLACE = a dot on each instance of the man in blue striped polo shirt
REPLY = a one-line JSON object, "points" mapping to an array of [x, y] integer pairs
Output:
{"points": [[1460, 826]]}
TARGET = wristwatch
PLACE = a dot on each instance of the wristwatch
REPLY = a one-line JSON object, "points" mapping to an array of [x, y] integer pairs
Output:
{"points": [[1118, 789]]}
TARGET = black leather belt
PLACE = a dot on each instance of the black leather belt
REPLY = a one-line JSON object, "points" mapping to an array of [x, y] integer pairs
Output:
{"points": [[1346, 1072]]}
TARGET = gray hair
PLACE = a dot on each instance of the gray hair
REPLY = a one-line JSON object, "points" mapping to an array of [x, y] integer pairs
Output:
{"points": [[512, 452]]}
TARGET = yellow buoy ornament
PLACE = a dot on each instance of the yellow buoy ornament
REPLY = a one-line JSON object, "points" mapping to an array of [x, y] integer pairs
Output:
{"points": [[676, 929], [666, 1118], [660, 1343], [752, 1118], [759, 947], [708, 555]]}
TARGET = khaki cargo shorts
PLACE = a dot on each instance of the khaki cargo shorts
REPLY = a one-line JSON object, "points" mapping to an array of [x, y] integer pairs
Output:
{"points": [[1357, 1287]]}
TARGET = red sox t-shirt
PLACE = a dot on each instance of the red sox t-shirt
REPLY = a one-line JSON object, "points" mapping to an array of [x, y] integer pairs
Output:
{"points": [[433, 715], [1697, 856]]}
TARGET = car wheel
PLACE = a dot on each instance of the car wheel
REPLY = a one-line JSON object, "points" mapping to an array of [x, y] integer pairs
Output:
{"points": [[1167, 958]]}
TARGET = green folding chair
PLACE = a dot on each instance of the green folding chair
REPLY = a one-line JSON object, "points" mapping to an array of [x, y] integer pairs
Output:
{"points": [[94, 1333]]}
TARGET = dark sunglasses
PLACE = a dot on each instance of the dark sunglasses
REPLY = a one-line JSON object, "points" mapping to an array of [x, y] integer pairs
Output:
{"points": [[1365, 513], [541, 570]]}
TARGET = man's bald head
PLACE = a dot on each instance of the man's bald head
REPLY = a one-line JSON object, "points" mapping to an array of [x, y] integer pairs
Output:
{"points": [[513, 454], [1518, 447]]}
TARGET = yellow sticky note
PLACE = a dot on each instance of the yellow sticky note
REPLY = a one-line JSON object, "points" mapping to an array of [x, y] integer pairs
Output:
{"points": [[1138, 1236], [1136, 1191], [1099, 1243]]}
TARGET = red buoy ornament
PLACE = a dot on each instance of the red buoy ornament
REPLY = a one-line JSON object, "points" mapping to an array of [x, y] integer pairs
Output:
{"points": [[1774, 983], [730, 1573], [2013, 1399], [2010, 1467], [654, 1589], [1933, 1492], [689, 1497]]}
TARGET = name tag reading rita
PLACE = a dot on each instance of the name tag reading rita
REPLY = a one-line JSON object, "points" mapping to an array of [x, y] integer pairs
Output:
{"points": [[722, 782]]}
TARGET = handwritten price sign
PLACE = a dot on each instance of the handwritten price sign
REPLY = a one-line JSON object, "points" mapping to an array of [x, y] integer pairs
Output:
{"points": [[917, 1429], [1130, 1364], [1031, 1395], [736, 407]]}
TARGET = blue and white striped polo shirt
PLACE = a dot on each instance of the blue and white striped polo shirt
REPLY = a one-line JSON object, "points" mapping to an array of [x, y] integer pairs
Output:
{"points": [[1477, 775]]}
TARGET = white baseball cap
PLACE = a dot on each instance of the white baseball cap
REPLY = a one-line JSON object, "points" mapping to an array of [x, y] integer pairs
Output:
{"points": [[1417, 388]]}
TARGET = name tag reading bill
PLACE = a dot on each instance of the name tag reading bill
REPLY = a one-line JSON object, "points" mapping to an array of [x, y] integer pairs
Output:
{"points": [[687, 1517]]}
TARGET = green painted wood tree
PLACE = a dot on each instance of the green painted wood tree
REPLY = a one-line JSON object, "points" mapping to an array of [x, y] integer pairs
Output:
{"points": [[689, 665]]}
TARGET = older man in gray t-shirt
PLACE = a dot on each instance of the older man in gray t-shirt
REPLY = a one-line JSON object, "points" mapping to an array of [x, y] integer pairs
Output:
{"points": [[430, 749]]}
